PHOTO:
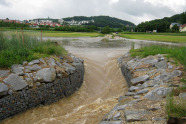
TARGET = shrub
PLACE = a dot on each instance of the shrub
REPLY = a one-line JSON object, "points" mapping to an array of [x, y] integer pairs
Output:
{"points": [[14, 51]]}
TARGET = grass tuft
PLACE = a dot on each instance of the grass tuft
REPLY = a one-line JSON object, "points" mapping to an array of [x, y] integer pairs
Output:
{"points": [[14, 51], [179, 53]]}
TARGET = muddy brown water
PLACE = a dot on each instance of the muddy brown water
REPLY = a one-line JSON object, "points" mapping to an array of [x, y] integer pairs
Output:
{"points": [[103, 84]]}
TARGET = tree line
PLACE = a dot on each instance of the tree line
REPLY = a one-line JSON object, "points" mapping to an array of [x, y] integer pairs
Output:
{"points": [[162, 25], [12, 25], [101, 21]]}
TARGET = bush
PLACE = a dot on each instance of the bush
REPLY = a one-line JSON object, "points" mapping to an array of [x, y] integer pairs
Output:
{"points": [[14, 51]]}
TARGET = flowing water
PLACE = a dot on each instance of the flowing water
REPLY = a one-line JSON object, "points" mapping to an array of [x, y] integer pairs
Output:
{"points": [[103, 84]]}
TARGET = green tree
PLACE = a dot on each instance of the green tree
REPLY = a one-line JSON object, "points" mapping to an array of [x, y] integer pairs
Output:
{"points": [[106, 30], [124, 28], [175, 28], [183, 18], [119, 30]]}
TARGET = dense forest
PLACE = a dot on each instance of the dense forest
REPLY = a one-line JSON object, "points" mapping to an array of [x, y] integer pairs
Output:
{"points": [[102, 21], [162, 25]]}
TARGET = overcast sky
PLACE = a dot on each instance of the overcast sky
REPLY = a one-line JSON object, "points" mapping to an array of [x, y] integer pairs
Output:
{"points": [[135, 11]]}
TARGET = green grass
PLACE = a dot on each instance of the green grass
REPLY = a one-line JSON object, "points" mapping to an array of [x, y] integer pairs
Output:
{"points": [[166, 33], [176, 107], [51, 33], [179, 53], [70, 34], [14, 51], [165, 37]]}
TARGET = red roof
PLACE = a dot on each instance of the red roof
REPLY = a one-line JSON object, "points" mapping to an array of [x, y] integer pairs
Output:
{"points": [[183, 26]]}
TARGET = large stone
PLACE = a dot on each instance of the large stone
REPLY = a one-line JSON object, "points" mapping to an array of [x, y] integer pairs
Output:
{"points": [[45, 75], [140, 79], [142, 91], [34, 62], [32, 68], [52, 62], [158, 93], [150, 60], [133, 88], [15, 82], [4, 73], [135, 115], [176, 73], [3, 89], [182, 96], [18, 71], [163, 77], [16, 66], [110, 122], [69, 68], [161, 65], [29, 82]]}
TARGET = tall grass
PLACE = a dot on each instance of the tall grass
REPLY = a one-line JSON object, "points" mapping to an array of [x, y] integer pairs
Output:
{"points": [[179, 53], [176, 38], [14, 51], [175, 108]]}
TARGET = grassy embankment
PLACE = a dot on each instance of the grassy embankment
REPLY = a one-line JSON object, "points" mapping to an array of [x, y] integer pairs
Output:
{"points": [[13, 50], [165, 37], [175, 107]]}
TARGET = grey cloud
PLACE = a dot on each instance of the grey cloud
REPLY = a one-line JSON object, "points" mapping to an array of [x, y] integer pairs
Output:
{"points": [[3, 2], [124, 9], [139, 8]]}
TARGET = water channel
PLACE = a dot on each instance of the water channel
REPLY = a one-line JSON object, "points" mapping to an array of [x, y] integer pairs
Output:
{"points": [[103, 84]]}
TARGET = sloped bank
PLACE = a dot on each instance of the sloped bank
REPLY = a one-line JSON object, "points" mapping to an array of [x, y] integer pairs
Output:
{"points": [[149, 81], [41, 81]]}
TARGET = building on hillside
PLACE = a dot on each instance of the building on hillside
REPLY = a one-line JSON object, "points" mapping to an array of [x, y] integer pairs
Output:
{"points": [[172, 25], [47, 20], [183, 28], [74, 22], [154, 31]]}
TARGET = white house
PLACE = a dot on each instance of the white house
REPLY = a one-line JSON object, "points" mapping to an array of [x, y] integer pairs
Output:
{"points": [[172, 25], [183, 28]]}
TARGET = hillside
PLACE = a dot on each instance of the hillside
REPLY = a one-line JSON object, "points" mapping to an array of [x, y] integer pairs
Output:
{"points": [[101, 21], [162, 25]]}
